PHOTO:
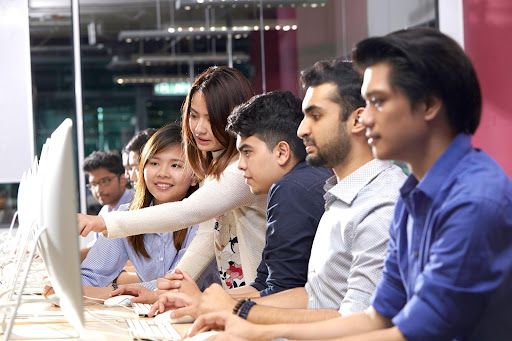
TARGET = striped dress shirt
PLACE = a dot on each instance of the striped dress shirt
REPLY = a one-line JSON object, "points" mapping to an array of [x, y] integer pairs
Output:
{"points": [[350, 244]]}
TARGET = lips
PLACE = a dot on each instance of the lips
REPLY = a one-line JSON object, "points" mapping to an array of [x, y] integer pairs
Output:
{"points": [[202, 141], [163, 186]]}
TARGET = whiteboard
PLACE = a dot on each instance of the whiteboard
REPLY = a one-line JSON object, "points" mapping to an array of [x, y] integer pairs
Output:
{"points": [[16, 118]]}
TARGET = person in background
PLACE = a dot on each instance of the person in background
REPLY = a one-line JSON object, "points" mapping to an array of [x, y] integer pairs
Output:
{"points": [[107, 182], [131, 154], [448, 271], [6, 213], [231, 219]]}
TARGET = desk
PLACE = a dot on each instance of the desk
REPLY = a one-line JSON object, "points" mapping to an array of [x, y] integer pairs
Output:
{"points": [[44, 319]]}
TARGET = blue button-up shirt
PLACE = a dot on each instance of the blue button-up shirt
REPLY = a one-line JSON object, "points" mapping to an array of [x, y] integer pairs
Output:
{"points": [[448, 270]]}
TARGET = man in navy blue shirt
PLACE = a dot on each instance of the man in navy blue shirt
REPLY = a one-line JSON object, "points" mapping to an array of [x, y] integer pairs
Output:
{"points": [[447, 275], [272, 158]]}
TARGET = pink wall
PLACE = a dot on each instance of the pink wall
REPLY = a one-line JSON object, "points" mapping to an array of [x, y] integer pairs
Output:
{"points": [[488, 42]]}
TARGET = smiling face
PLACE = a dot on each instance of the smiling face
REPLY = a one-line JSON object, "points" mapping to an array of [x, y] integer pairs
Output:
{"points": [[168, 177], [394, 129], [199, 123], [260, 165], [325, 136]]}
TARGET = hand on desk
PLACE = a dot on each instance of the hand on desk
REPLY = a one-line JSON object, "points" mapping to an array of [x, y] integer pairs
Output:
{"points": [[142, 294], [235, 327], [182, 304], [215, 299], [90, 223], [179, 281], [48, 291]]}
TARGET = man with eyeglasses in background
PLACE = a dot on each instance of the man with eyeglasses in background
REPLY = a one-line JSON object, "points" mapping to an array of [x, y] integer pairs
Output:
{"points": [[107, 182]]}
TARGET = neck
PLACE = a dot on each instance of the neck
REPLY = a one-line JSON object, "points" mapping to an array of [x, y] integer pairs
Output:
{"points": [[113, 206], [359, 155], [429, 152]]}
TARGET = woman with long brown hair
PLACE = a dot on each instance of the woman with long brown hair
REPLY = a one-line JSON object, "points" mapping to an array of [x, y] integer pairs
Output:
{"points": [[165, 176], [232, 219]]}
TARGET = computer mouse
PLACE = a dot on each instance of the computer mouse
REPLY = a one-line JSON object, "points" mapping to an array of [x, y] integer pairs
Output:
{"points": [[165, 317], [116, 301]]}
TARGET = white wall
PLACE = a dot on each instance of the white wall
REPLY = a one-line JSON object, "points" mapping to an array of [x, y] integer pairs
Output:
{"points": [[451, 19], [385, 16], [16, 119]]}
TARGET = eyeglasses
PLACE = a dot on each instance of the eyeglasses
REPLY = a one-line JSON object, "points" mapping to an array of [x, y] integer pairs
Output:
{"points": [[102, 183]]}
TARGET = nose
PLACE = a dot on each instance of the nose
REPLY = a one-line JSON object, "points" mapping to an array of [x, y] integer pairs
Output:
{"points": [[201, 126], [134, 175], [367, 118], [242, 165], [304, 129]]}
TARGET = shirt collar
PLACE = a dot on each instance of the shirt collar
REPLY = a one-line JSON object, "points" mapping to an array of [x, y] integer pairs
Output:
{"points": [[350, 186], [437, 174]]}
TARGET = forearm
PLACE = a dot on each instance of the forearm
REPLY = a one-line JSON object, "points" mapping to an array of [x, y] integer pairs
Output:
{"points": [[243, 292], [202, 205], [270, 315], [369, 322], [200, 252], [296, 298]]}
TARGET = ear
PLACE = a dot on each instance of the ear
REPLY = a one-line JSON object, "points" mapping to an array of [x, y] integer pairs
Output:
{"points": [[355, 125], [283, 153], [194, 181], [123, 180], [433, 107]]}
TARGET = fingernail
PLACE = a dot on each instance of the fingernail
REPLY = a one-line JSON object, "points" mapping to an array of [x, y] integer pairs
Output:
{"points": [[176, 283]]}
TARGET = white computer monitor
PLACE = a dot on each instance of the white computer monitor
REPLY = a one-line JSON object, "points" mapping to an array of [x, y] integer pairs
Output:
{"points": [[58, 214]]}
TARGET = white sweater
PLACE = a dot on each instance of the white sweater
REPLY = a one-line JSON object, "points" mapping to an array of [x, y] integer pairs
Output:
{"points": [[230, 196]]}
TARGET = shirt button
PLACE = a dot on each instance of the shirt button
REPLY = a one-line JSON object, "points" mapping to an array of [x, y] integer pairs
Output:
{"points": [[161, 259], [416, 254], [311, 299]]}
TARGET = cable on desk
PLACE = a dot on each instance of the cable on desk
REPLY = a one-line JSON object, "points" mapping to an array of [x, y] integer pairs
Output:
{"points": [[102, 320]]}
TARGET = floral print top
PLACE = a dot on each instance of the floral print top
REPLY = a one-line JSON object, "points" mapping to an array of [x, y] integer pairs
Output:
{"points": [[228, 257]]}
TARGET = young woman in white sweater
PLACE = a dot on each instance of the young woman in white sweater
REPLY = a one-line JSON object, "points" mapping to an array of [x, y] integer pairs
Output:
{"points": [[231, 219]]}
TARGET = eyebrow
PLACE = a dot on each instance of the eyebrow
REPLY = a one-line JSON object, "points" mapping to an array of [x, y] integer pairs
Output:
{"points": [[372, 93], [242, 147], [157, 158], [311, 108]]}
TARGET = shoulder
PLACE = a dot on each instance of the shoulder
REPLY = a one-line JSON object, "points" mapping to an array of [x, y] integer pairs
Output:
{"points": [[477, 177], [305, 176], [385, 185]]}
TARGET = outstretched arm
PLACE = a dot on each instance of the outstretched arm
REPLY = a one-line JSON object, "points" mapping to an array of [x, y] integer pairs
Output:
{"points": [[212, 199]]}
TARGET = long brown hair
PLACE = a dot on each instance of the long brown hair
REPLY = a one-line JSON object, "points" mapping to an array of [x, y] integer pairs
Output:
{"points": [[223, 89], [164, 138]]}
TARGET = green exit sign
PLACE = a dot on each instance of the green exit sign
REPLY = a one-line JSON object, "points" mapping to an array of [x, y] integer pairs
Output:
{"points": [[171, 88]]}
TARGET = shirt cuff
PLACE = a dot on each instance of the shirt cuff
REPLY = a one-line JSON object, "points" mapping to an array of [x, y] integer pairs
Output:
{"points": [[419, 321], [385, 299]]}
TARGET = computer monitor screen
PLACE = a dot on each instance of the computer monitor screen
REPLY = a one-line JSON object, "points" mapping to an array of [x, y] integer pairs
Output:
{"points": [[58, 214]]}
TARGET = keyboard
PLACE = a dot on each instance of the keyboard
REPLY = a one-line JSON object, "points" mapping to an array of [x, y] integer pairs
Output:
{"points": [[150, 330], [141, 309]]}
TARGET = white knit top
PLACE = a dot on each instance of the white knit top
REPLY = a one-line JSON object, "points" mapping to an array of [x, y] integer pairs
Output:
{"points": [[229, 196]]}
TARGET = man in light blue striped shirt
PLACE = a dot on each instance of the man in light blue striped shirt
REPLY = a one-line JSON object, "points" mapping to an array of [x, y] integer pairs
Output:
{"points": [[350, 244]]}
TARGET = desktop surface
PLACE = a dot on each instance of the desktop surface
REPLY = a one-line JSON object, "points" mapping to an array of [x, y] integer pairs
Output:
{"points": [[39, 319]]}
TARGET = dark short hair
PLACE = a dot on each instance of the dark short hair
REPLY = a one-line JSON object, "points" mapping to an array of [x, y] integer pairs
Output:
{"points": [[271, 117], [111, 160], [342, 74], [139, 140], [426, 63]]}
